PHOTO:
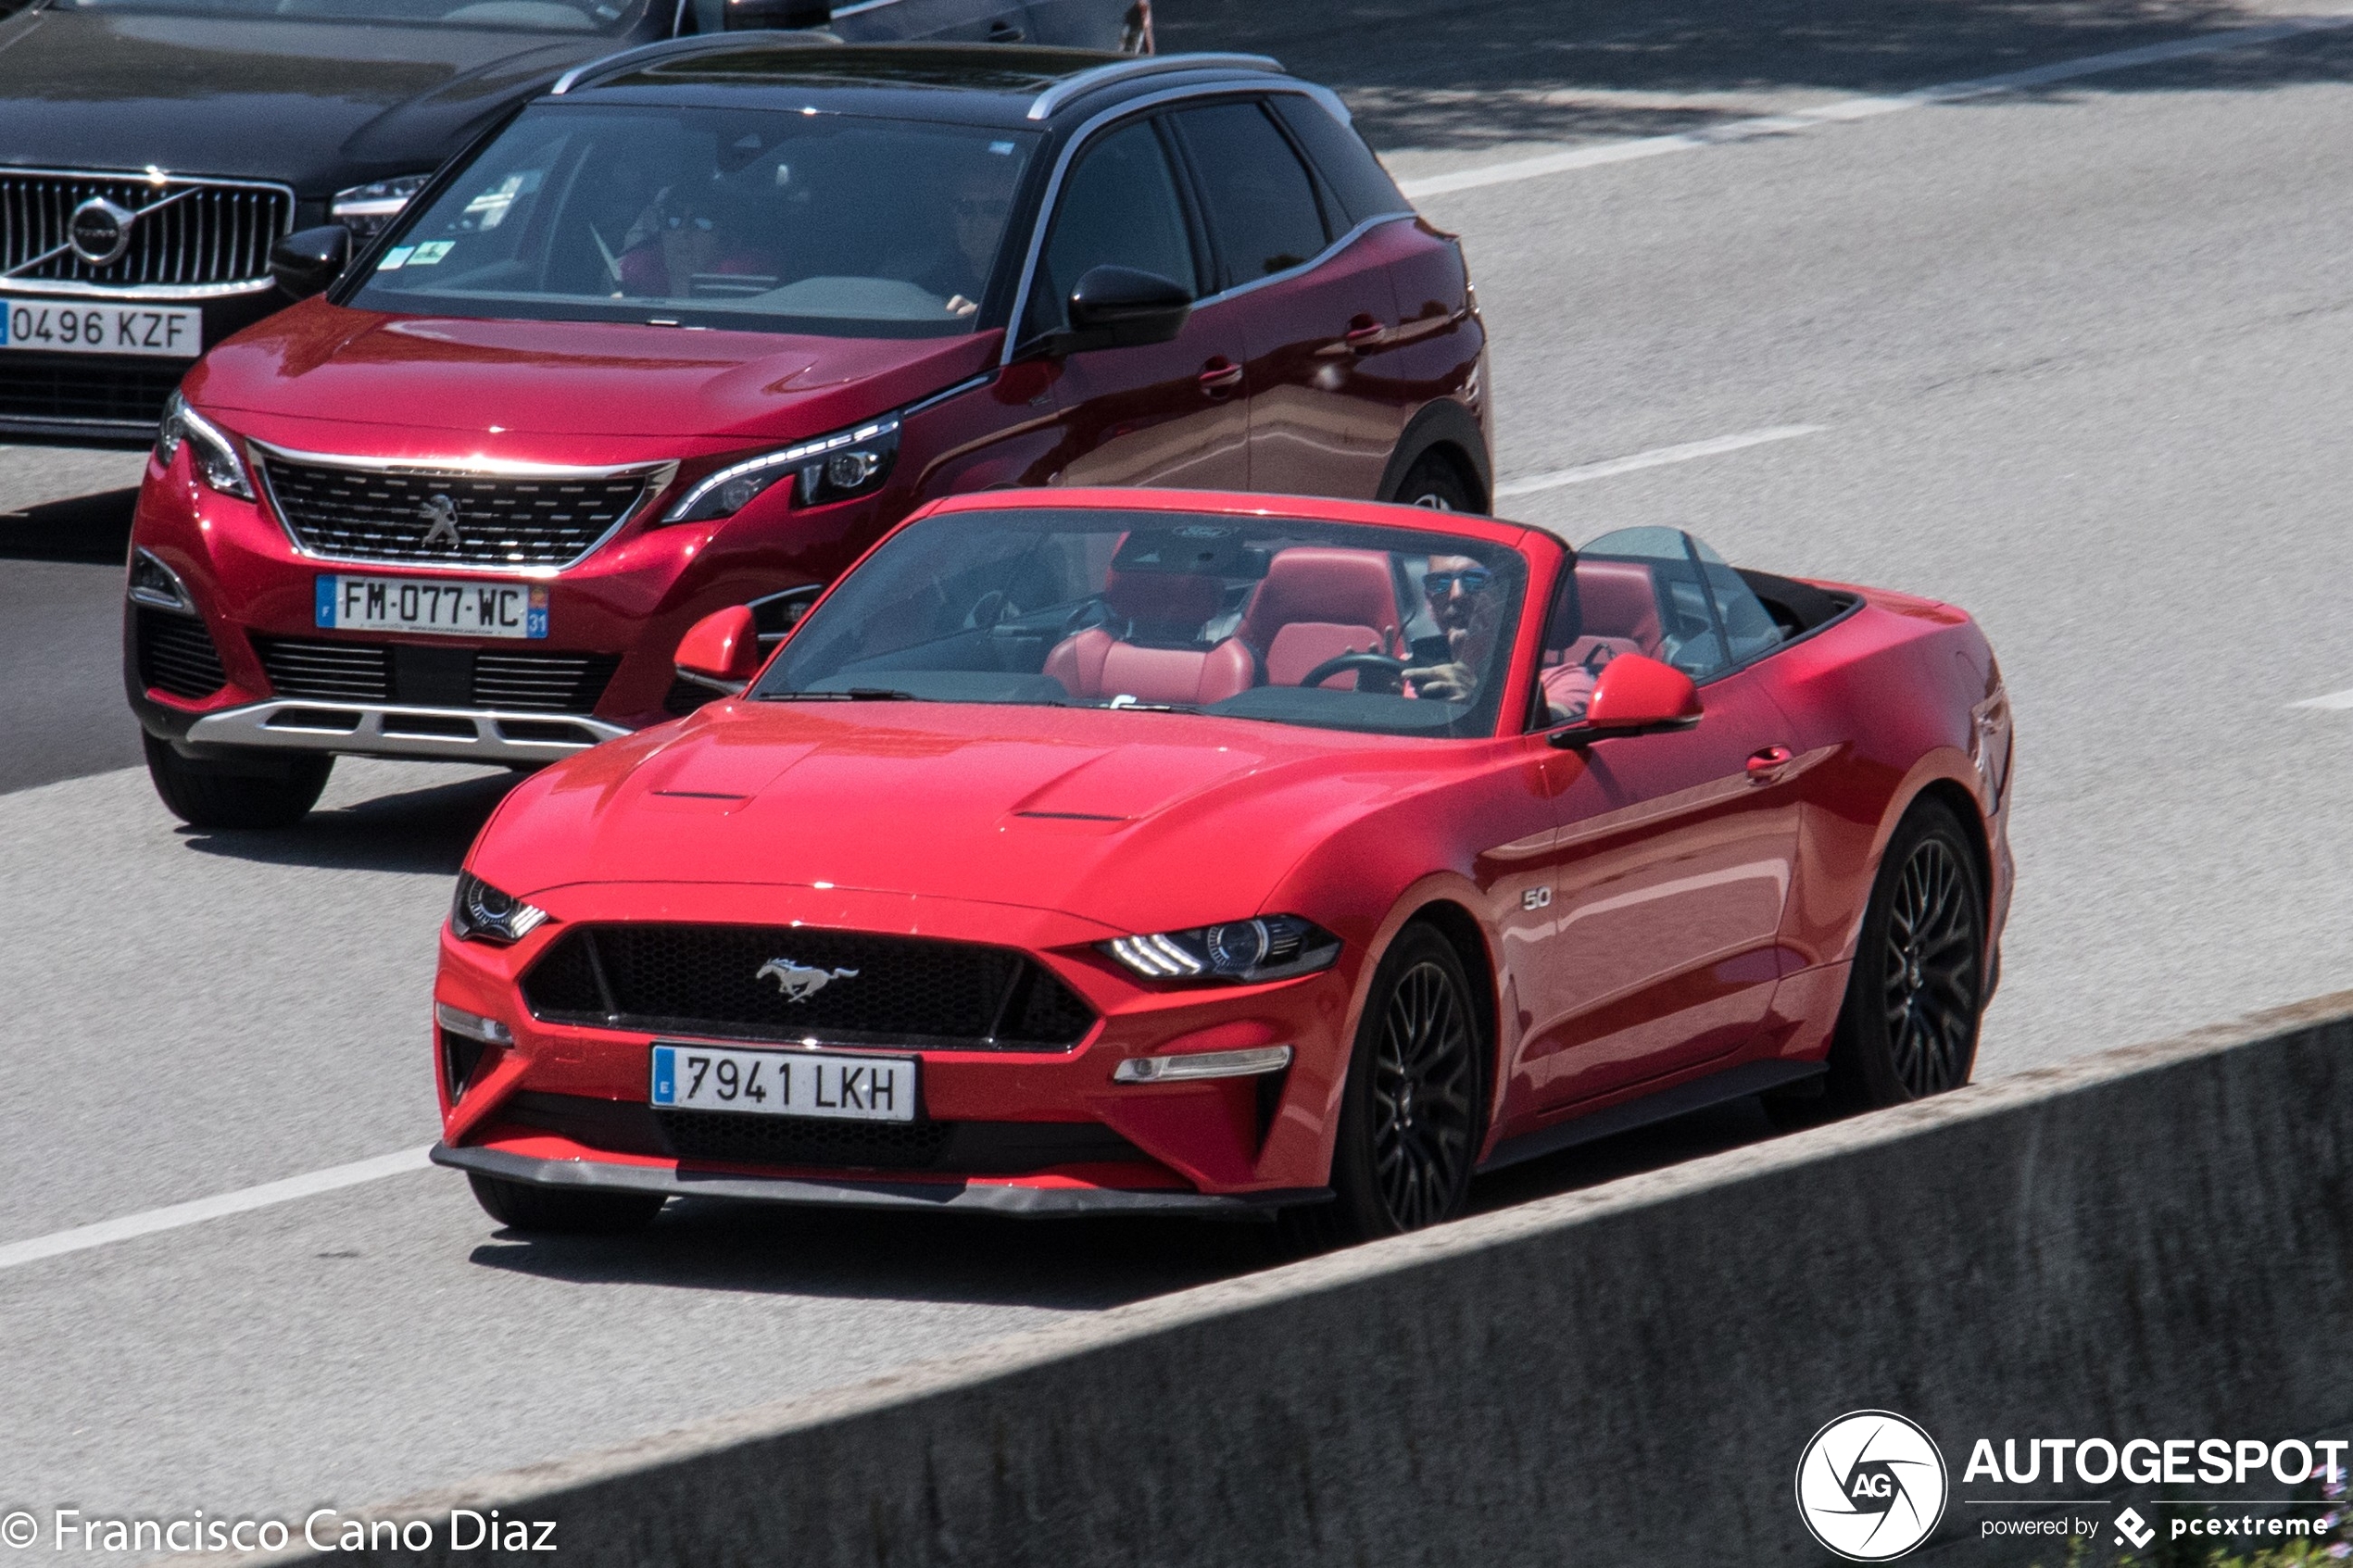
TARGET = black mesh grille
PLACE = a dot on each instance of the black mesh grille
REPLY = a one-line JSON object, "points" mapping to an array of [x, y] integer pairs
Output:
{"points": [[183, 231], [85, 387], [348, 671], [176, 654], [356, 514], [723, 1138], [685, 695], [542, 682], [731, 981]]}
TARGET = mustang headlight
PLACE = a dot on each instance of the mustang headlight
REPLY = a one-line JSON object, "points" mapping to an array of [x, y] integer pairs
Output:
{"points": [[482, 913], [213, 453], [831, 468], [365, 209], [1271, 947]]}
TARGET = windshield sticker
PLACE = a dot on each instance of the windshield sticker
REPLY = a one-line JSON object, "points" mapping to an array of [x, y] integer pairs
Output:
{"points": [[431, 252], [395, 258]]}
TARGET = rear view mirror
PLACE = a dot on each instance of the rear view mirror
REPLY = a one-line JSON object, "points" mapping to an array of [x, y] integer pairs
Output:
{"points": [[305, 262], [1634, 696], [1121, 308], [722, 650]]}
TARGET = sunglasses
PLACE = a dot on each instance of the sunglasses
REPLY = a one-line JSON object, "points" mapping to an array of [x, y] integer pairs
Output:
{"points": [[702, 223], [1437, 585]]}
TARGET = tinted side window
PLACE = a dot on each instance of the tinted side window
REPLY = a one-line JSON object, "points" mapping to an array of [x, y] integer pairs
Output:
{"points": [[1566, 666], [1262, 206], [1119, 208], [1355, 176]]}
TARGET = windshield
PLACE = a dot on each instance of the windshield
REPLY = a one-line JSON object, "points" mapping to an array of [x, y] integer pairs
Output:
{"points": [[1390, 630], [514, 16], [756, 219]]}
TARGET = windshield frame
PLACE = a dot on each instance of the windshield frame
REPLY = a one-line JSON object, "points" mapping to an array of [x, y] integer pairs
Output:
{"points": [[633, 17], [1494, 715], [1035, 145]]}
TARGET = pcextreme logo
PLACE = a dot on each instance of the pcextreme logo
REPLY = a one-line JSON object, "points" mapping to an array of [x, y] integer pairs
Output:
{"points": [[1871, 1485]]}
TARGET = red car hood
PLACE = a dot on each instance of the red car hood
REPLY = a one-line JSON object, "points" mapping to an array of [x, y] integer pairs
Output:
{"points": [[1135, 821], [571, 378]]}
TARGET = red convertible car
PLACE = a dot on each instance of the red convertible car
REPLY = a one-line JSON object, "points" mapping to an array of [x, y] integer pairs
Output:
{"points": [[1185, 852]]}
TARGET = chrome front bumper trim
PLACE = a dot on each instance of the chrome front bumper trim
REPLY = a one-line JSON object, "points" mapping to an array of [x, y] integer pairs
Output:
{"points": [[375, 728]]}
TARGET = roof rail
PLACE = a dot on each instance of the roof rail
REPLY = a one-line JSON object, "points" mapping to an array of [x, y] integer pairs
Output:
{"points": [[1085, 81], [711, 43]]}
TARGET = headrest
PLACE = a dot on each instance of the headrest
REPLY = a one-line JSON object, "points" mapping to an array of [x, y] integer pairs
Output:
{"points": [[1163, 604], [1615, 598], [1327, 583]]}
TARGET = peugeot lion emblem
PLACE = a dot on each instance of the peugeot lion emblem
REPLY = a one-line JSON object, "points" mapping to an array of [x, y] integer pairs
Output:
{"points": [[441, 522], [99, 231], [799, 982]]}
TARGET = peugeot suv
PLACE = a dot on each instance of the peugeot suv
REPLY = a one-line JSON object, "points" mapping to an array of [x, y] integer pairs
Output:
{"points": [[697, 327]]}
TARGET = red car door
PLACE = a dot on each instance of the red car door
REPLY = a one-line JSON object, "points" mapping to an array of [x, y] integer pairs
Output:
{"points": [[1169, 413], [1676, 853], [1324, 413]]}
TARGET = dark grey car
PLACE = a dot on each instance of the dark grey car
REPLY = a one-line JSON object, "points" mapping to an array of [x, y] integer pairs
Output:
{"points": [[152, 151]]}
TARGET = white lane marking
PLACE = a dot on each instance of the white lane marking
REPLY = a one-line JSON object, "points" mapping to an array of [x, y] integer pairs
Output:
{"points": [[1657, 456], [1846, 109], [105, 1231], [2334, 699]]}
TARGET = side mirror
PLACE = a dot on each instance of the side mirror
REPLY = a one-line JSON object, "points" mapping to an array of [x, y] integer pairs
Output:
{"points": [[743, 16], [722, 650], [1121, 308], [307, 261], [1634, 696]]}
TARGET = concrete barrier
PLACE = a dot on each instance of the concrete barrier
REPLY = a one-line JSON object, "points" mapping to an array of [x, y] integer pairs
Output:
{"points": [[2157, 1240]]}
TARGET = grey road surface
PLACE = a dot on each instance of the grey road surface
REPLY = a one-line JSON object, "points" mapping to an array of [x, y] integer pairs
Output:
{"points": [[2071, 358]]}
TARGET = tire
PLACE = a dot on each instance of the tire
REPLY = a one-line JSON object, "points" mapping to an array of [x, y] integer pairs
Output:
{"points": [[1414, 1107], [254, 788], [522, 1206], [1436, 483], [1908, 1026]]}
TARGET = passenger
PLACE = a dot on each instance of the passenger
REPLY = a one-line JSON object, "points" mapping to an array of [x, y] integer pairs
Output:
{"points": [[956, 267], [1456, 589]]}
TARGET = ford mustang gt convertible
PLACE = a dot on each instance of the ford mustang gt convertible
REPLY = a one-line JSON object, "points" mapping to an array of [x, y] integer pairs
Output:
{"points": [[1156, 851]]}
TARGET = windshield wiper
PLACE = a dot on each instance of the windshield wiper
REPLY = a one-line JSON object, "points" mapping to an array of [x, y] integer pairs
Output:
{"points": [[1131, 707], [855, 694]]}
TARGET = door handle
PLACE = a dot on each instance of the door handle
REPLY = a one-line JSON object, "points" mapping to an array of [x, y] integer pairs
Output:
{"points": [[1219, 377], [1768, 765], [1364, 333]]}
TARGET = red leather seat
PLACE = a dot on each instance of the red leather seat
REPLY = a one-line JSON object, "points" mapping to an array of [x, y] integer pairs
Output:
{"points": [[1617, 612], [1150, 649], [1319, 601]]}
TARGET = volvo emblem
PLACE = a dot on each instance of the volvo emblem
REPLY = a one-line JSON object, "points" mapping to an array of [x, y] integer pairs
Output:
{"points": [[99, 231], [440, 514], [799, 982]]}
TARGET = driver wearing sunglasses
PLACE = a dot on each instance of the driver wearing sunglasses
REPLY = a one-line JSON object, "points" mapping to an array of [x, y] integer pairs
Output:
{"points": [[1456, 588]]}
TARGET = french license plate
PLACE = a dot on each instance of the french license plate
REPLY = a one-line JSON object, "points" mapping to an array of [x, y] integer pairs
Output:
{"points": [[64, 326], [413, 604], [857, 1089]]}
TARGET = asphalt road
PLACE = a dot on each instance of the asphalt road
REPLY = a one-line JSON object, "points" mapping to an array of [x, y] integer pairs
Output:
{"points": [[2070, 356]]}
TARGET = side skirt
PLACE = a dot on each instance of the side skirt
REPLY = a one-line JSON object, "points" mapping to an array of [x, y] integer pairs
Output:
{"points": [[1733, 1082]]}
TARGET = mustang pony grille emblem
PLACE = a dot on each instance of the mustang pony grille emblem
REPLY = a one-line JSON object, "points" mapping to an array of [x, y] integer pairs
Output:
{"points": [[441, 522], [799, 982]]}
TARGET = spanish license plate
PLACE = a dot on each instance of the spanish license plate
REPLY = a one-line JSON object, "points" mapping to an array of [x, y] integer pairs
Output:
{"points": [[64, 326], [414, 604], [857, 1089]]}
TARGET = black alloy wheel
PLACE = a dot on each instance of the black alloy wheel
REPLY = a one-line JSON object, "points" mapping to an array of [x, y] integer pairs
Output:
{"points": [[1435, 482], [1414, 1107], [1910, 1025]]}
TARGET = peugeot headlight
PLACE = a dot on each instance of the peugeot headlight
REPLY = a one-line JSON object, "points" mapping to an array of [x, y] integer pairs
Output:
{"points": [[209, 448], [831, 468], [482, 913], [1270, 947], [365, 209]]}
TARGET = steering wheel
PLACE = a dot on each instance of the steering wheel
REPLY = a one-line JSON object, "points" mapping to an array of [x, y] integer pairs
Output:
{"points": [[1381, 672]]}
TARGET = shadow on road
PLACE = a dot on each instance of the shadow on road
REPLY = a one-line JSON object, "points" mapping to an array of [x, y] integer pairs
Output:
{"points": [[83, 527], [710, 1244], [419, 830], [1481, 74]]}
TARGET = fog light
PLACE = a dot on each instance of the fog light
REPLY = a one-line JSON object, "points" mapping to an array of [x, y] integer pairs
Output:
{"points": [[1203, 1065], [472, 1025]]}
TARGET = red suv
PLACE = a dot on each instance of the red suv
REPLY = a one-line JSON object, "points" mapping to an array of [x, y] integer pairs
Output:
{"points": [[695, 328]]}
